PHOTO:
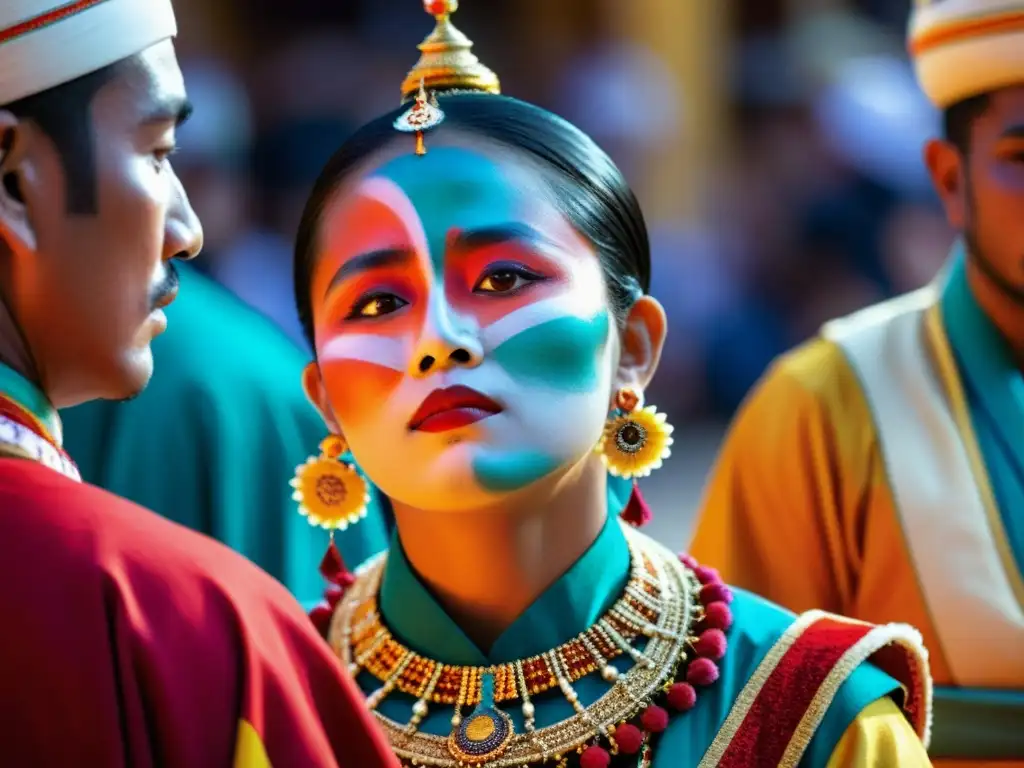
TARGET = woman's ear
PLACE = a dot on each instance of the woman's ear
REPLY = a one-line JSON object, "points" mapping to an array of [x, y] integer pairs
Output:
{"points": [[313, 385], [643, 339]]}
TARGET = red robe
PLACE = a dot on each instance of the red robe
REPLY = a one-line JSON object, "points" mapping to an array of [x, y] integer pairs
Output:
{"points": [[128, 640]]}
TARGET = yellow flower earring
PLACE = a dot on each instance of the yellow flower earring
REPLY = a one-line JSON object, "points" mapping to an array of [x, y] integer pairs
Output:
{"points": [[331, 495], [330, 492], [636, 440]]}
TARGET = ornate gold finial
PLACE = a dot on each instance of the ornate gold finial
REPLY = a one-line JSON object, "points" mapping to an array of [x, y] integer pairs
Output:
{"points": [[421, 116], [447, 61]]}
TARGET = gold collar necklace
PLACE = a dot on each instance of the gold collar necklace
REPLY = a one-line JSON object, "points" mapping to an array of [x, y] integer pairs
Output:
{"points": [[655, 647]]}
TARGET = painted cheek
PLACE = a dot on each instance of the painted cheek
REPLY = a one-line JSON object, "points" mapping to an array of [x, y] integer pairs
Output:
{"points": [[361, 371], [563, 353], [358, 390]]}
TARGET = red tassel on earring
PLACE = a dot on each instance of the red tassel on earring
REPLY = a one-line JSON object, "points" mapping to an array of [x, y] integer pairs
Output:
{"points": [[637, 513], [332, 567]]}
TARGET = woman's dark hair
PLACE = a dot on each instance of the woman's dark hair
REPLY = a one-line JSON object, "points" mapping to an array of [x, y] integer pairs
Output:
{"points": [[588, 188]]}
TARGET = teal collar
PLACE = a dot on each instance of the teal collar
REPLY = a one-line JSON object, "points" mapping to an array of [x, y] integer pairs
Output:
{"points": [[26, 394], [984, 358], [569, 606]]}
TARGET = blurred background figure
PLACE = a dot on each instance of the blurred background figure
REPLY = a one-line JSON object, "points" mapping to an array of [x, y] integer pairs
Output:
{"points": [[775, 146]]}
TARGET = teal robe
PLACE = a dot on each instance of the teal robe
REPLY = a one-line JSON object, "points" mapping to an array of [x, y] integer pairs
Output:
{"points": [[571, 605], [215, 438], [994, 388]]}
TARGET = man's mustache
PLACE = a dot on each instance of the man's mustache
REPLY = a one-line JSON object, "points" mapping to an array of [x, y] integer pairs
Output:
{"points": [[167, 287]]}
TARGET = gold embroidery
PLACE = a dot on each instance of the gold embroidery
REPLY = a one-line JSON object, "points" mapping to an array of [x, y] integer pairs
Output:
{"points": [[745, 700], [876, 639], [871, 643]]}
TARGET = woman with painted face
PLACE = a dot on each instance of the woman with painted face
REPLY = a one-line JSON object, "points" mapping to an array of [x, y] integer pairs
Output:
{"points": [[472, 274]]}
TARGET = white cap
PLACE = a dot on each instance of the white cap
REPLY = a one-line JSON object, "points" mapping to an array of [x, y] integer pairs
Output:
{"points": [[44, 43], [964, 48]]}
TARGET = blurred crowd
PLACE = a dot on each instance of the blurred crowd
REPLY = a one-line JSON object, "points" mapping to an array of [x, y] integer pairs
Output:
{"points": [[820, 206]]}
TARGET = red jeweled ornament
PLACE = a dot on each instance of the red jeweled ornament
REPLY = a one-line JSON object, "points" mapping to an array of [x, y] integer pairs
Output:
{"points": [[595, 757], [637, 513], [681, 697], [629, 738], [332, 567], [701, 672], [321, 618]]}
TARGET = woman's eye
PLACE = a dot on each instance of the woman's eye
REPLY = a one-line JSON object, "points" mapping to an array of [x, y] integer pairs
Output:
{"points": [[377, 305], [505, 280]]}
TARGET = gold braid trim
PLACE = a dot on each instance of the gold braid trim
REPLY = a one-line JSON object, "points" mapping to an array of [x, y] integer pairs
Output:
{"points": [[861, 651], [878, 638], [745, 700]]}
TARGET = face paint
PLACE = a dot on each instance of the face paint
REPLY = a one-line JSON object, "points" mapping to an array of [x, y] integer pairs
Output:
{"points": [[414, 266]]}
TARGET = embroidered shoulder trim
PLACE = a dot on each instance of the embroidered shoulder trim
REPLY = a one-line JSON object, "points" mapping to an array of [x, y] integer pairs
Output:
{"points": [[775, 719], [36, 448]]}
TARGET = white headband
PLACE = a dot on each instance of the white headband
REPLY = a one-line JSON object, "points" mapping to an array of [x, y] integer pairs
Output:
{"points": [[44, 43], [964, 48]]}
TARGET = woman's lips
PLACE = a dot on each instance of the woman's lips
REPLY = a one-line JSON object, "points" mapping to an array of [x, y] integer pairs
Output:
{"points": [[452, 408]]}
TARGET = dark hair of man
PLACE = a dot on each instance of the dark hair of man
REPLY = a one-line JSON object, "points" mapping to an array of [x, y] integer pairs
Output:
{"points": [[63, 114], [587, 186], [958, 120]]}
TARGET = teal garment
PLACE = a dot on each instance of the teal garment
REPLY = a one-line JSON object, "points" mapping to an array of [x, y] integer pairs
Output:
{"points": [[215, 438], [31, 398], [977, 724], [571, 605], [994, 388]]}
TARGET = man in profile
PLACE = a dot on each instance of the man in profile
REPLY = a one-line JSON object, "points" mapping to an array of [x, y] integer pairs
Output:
{"points": [[128, 640]]}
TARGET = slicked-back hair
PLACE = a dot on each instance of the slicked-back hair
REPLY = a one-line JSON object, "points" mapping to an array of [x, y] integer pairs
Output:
{"points": [[64, 114]]}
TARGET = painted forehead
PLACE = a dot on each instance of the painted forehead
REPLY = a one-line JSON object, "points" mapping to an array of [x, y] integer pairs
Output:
{"points": [[426, 197]]}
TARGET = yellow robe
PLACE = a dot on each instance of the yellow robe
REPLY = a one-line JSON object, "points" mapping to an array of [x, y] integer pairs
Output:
{"points": [[799, 507]]}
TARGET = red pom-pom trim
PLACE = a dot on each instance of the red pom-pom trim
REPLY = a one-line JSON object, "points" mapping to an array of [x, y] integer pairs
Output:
{"points": [[711, 593], [681, 697], [595, 757], [654, 719], [711, 644], [629, 738], [688, 560], [702, 672], [717, 616], [707, 575]]}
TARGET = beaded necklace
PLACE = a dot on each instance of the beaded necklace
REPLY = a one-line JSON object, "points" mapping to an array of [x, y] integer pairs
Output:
{"points": [[670, 622]]}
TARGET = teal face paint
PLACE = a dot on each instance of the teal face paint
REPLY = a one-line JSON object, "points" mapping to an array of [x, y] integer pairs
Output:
{"points": [[509, 471], [545, 353], [452, 187], [559, 354]]}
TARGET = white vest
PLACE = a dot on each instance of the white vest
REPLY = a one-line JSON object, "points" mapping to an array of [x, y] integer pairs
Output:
{"points": [[973, 591]]}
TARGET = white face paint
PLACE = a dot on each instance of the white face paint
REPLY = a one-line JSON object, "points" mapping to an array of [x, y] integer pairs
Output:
{"points": [[453, 270]]}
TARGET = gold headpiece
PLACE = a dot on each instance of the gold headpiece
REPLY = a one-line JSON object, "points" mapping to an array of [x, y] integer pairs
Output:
{"points": [[446, 63]]}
